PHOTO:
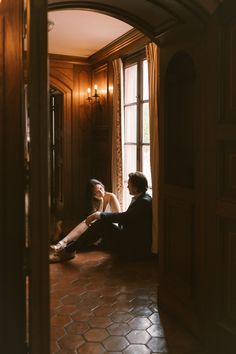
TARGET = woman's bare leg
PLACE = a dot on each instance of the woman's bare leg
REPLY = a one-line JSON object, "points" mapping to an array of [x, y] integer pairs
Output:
{"points": [[73, 235]]}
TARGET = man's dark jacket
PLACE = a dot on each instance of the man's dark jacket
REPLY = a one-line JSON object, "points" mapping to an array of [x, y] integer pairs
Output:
{"points": [[136, 222]]}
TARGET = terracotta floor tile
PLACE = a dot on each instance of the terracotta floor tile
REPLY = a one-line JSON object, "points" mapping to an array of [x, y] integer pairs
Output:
{"points": [[60, 320], [82, 315], [156, 331], [121, 329], [71, 341], [138, 337], [121, 316], [100, 305], [77, 327], [100, 322], [103, 310], [91, 348], [137, 349], [66, 310], [115, 343], [158, 344], [139, 323], [96, 335]]}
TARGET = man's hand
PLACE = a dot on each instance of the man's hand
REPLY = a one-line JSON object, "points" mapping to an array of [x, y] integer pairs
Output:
{"points": [[92, 217]]}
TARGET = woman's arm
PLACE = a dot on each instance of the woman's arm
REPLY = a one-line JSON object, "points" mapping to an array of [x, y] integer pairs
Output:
{"points": [[114, 203]]}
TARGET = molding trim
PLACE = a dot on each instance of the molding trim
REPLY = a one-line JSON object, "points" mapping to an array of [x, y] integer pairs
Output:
{"points": [[69, 59], [119, 44]]}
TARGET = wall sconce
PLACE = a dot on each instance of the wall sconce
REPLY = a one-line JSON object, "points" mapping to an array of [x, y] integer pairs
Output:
{"points": [[95, 98]]}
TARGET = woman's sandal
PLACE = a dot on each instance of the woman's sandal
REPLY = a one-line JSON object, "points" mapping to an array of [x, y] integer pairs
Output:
{"points": [[61, 256]]}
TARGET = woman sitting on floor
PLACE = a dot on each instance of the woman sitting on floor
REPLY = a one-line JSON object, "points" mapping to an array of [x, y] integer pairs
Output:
{"points": [[99, 200]]}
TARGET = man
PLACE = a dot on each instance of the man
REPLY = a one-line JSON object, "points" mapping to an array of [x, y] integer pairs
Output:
{"points": [[132, 238]]}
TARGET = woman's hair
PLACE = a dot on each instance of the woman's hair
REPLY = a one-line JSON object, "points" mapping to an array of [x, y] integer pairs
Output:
{"points": [[89, 193], [139, 181]]}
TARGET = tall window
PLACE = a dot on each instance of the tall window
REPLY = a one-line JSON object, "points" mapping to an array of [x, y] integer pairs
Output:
{"points": [[136, 131]]}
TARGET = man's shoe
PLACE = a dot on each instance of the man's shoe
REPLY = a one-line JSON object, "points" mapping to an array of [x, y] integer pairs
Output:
{"points": [[61, 256]]}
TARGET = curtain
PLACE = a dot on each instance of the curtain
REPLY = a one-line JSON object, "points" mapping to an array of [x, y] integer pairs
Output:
{"points": [[153, 57], [117, 154]]}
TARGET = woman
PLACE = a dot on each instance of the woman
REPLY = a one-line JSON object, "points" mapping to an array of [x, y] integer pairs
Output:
{"points": [[99, 200]]}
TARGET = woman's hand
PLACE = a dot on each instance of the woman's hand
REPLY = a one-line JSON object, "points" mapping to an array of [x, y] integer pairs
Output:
{"points": [[92, 217]]}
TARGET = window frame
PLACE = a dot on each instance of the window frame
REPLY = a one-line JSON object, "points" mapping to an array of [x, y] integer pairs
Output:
{"points": [[138, 60]]}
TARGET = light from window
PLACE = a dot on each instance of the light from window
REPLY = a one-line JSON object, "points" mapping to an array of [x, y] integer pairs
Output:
{"points": [[136, 123], [131, 84]]}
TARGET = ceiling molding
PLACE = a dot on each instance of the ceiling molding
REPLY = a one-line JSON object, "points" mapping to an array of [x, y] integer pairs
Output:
{"points": [[119, 44], [69, 59]]}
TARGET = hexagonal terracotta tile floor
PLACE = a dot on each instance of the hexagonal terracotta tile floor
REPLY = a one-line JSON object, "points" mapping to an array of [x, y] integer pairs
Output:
{"points": [[102, 305]]}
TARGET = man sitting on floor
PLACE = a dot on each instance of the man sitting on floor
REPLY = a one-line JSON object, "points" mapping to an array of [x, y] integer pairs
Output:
{"points": [[132, 236]]}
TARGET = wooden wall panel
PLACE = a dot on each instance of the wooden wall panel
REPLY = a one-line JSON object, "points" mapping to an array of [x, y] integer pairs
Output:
{"points": [[62, 80], [81, 138], [226, 314], [181, 200], [228, 68], [179, 247], [227, 170], [102, 124], [220, 181], [73, 80], [180, 121], [100, 77]]}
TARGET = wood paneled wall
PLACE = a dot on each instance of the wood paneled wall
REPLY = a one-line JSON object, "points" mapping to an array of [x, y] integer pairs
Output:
{"points": [[198, 227], [102, 124], [72, 80]]}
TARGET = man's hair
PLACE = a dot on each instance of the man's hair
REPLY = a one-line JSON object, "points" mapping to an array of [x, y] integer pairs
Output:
{"points": [[139, 181]]}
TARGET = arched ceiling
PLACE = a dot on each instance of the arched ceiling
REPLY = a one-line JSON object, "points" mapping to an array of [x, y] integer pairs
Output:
{"points": [[152, 17], [82, 33]]}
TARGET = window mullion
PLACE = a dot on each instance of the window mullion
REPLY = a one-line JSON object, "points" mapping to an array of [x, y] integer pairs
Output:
{"points": [[139, 115]]}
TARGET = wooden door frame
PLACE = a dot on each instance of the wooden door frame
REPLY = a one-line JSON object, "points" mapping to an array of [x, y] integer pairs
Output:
{"points": [[37, 78], [12, 179]]}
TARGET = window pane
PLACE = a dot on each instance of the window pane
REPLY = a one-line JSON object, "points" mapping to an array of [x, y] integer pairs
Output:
{"points": [[146, 127], [130, 124], [131, 84], [145, 80], [146, 168], [130, 159]]}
